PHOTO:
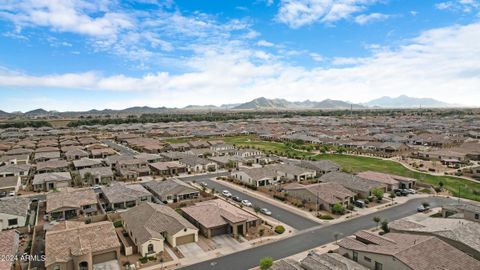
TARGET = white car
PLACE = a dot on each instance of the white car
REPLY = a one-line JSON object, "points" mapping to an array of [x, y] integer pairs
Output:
{"points": [[226, 193], [411, 191], [265, 211], [11, 193], [246, 203]]}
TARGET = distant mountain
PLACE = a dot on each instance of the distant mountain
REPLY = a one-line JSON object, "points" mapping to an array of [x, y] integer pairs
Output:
{"points": [[4, 114], [404, 101], [264, 103], [201, 107], [37, 112]]}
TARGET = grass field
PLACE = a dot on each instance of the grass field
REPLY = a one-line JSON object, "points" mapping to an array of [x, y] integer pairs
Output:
{"points": [[457, 186]]}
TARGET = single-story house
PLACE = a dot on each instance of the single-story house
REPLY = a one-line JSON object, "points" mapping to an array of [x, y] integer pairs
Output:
{"points": [[21, 170], [53, 165], [75, 154], [321, 167], [217, 217], [292, 172], [76, 245], [70, 203], [9, 184], [14, 212], [324, 195], [392, 181], [9, 243], [51, 181], [150, 224], [87, 163], [362, 187], [167, 168], [258, 177], [172, 190], [97, 175], [122, 196]]}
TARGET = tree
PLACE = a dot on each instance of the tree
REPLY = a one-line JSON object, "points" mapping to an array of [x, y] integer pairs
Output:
{"points": [[338, 209], [440, 184], [425, 204], [385, 227], [378, 193], [266, 263], [377, 220]]}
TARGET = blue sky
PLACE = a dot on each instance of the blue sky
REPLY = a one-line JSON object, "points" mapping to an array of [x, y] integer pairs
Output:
{"points": [[79, 55]]}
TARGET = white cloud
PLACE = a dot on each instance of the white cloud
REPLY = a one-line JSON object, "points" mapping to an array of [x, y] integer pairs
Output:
{"points": [[264, 43], [298, 13], [317, 57], [437, 63], [465, 6], [369, 18]]}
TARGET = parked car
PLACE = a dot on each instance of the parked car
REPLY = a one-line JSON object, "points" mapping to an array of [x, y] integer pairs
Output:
{"points": [[422, 208], [360, 203], [226, 193], [401, 192], [204, 184], [236, 198], [265, 211], [410, 191], [247, 203], [11, 193]]}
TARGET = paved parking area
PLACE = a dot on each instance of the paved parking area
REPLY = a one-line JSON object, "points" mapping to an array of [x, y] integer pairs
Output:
{"points": [[226, 241], [110, 265]]}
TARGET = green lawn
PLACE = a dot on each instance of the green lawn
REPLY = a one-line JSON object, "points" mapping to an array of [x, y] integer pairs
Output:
{"points": [[458, 186]]}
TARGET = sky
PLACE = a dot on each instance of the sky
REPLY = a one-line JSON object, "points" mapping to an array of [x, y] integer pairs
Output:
{"points": [[73, 55]]}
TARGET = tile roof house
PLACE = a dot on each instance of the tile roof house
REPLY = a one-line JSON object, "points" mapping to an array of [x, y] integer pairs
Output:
{"points": [[51, 181], [149, 224], [172, 190], [51, 166], [87, 163], [21, 170], [122, 196], [76, 245], [324, 195], [314, 261], [469, 211], [167, 168], [75, 154], [392, 181], [9, 184], [361, 186], [14, 212], [291, 172], [456, 232], [256, 176], [404, 251], [321, 167], [9, 243], [97, 175], [217, 217], [70, 203]]}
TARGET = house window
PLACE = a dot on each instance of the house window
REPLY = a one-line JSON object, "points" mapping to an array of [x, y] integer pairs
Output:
{"points": [[477, 216], [13, 222], [56, 267], [150, 248], [367, 259], [355, 256], [83, 266], [378, 266]]}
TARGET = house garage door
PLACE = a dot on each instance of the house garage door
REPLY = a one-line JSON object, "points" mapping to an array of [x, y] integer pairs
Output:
{"points": [[100, 258], [186, 239], [219, 231]]}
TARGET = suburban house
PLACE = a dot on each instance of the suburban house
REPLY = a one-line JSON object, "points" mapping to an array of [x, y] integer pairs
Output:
{"points": [[362, 187], [199, 144], [53, 165], [456, 232], [172, 190], [87, 163], [258, 177], [150, 224], [21, 170], [97, 175], [248, 152], [51, 181], [315, 261], [14, 212], [468, 211], [75, 154], [197, 165], [217, 217], [76, 245], [321, 167], [122, 196], [294, 173], [132, 168], [9, 184], [16, 159], [71, 203], [9, 243], [392, 181], [167, 168], [404, 251], [324, 195], [102, 152], [44, 156]]}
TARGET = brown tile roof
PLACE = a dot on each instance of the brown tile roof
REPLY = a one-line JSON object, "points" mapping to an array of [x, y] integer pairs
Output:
{"points": [[215, 213], [8, 247], [70, 198], [72, 238], [328, 192]]}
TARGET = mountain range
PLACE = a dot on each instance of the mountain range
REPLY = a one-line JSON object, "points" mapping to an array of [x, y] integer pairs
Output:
{"points": [[261, 103]]}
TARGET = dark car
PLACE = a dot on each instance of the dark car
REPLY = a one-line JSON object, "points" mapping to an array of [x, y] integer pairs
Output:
{"points": [[236, 198], [401, 192]]}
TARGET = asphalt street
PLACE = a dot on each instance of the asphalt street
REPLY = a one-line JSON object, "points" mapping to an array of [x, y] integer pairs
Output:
{"points": [[296, 221], [311, 238], [120, 148]]}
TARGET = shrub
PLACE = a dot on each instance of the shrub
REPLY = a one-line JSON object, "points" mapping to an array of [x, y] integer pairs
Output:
{"points": [[152, 258], [325, 217], [266, 263], [261, 232], [183, 204], [279, 229], [280, 198], [385, 227], [338, 209], [378, 193], [143, 260], [117, 224]]}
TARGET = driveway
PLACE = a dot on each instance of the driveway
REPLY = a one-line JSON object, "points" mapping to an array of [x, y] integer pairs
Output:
{"points": [[110, 265], [296, 221], [191, 250]]}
